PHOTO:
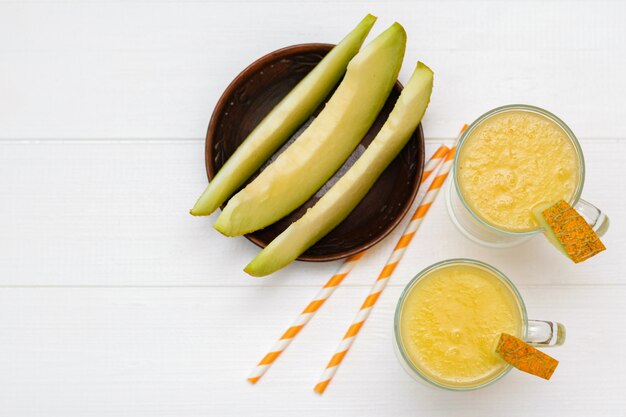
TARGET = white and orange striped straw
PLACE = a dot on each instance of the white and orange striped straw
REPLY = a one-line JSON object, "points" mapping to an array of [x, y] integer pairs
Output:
{"points": [[327, 290], [387, 271], [304, 317]]}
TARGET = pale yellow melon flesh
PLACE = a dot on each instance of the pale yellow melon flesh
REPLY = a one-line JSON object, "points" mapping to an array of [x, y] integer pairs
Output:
{"points": [[325, 145], [282, 121], [547, 230], [344, 196]]}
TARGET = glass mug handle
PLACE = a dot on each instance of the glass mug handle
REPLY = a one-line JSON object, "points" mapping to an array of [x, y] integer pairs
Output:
{"points": [[598, 221], [541, 333]]}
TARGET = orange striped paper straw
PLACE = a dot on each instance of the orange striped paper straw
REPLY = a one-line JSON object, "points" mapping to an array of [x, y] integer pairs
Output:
{"points": [[304, 317], [326, 291], [387, 271], [434, 162]]}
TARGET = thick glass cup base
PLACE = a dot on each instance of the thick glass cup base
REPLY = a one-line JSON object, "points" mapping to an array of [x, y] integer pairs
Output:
{"points": [[474, 230]]}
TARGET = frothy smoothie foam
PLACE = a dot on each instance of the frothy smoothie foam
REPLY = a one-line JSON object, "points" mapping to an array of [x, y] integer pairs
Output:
{"points": [[513, 161], [450, 323]]}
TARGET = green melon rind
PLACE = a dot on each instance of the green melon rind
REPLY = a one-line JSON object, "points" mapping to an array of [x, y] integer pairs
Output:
{"points": [[344, 196], [325, 145], [282, 121]]}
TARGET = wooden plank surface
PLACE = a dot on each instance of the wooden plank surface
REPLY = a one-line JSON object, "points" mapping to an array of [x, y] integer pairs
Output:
{"points": [[176, 351], [155, 70], [115, 302], [105, 214]]}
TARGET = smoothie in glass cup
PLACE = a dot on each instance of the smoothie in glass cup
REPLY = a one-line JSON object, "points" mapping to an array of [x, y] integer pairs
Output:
{"points": [[450, 317], [509, 161]]}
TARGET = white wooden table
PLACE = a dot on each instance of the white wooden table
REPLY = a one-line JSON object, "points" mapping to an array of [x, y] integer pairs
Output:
{"points": [[114, 301]]}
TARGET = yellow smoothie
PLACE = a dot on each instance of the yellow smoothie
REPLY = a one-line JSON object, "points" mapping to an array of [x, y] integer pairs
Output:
{"points": [[450, 322], [513, 161]]}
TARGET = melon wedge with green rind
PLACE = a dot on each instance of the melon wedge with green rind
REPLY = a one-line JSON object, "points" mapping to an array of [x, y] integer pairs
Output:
{"points": [[282, 121], [344, 196], [325, 144]]}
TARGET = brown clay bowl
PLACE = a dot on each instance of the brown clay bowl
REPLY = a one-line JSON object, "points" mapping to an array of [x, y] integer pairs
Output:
{"points": [[253, 93]]}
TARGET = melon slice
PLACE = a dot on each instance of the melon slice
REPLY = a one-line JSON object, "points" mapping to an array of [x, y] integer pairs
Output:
{"points": [[537, 212], [282, 121], [325, 145], [344, 196], [566, 229]]}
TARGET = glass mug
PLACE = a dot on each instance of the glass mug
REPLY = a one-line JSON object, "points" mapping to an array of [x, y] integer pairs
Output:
{"points": [[538, 333], [479, 230]]}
